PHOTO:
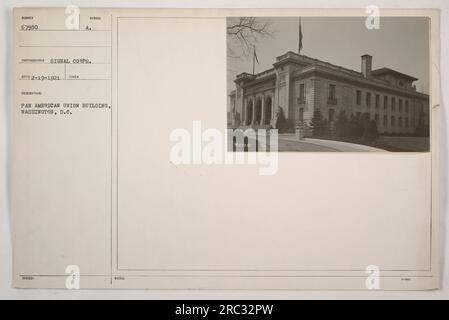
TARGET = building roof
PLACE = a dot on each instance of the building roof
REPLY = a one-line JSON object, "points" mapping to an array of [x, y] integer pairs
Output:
{"points": [[382, 71], [376, 72], [291, 54]]}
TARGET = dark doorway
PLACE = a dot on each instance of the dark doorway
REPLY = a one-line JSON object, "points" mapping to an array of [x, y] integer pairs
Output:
{"points": [[268, 111], [258, 111], [249, 112]]}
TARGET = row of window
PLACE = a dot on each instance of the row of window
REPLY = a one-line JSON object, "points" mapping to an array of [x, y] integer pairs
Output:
{"points": [[332, 98], [400, 123], [401, 103], [393, 121]]}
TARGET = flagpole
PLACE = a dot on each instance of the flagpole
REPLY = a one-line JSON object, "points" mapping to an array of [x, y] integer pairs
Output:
{"points": [[299, 36]]}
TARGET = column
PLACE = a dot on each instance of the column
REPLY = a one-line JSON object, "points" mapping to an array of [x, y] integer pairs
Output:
{"points": [[254, 111], [262, 116], [243, 122], [287, 106]]}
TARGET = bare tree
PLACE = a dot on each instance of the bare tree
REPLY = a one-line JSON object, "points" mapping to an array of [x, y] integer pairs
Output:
{"points": [[244, 32]]}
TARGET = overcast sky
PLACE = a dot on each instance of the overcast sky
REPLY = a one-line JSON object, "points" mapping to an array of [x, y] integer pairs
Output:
{"points": [[401, 43]]}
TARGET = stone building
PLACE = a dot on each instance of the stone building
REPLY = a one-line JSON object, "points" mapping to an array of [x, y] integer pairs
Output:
{"points": [[298, 85]]}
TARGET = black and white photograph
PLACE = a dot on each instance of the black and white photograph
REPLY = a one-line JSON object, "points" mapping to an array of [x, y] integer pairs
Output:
{"points": [[330, 84]]}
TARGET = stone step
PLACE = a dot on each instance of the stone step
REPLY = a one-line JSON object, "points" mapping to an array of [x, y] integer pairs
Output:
{"points": [[254, 126]]}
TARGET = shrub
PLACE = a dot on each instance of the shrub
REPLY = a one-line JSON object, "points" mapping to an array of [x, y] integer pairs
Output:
{"points": [[317, 123], [421, 129], [342, 125], [281, 121], [371, 134]]}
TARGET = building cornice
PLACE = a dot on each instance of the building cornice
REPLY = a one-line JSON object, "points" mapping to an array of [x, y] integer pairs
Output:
{"points": [[360, 81], [259, 81]]}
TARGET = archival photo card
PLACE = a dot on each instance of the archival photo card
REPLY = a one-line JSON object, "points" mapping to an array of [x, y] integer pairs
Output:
{"points": [[122, 175]]}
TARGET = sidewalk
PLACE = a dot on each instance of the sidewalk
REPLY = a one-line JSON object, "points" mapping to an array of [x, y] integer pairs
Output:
{"points": [[330, 144]]}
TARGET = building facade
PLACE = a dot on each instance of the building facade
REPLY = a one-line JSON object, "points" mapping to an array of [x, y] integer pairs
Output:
{"points": [[298, 85]]}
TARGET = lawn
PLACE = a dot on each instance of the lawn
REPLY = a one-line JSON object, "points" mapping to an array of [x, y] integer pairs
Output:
{"points": [[394, 143]]}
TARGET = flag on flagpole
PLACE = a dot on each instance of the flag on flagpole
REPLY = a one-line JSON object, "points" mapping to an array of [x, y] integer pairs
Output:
{"points": [[255, 55], [300, 37], [255, 58]]}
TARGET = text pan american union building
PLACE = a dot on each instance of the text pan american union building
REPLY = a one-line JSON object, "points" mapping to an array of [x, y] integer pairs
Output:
{"points": [[298, 85]]}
